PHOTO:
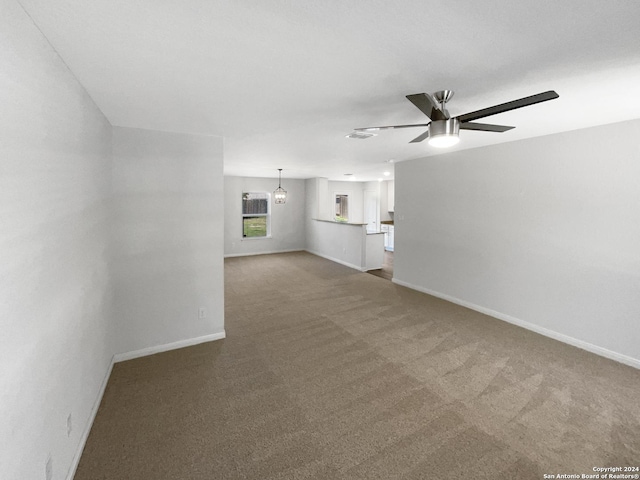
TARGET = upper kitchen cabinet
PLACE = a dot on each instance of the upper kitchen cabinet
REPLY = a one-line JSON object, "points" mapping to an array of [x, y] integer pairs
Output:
{"points": [[391, 195]]}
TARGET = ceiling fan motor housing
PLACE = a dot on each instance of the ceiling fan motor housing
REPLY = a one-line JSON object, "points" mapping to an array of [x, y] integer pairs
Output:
{"points": [[444, 127], [444, 133]]}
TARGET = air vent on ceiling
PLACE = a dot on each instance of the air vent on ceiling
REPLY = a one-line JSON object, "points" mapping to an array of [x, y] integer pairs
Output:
{"points": [[360, 135]]}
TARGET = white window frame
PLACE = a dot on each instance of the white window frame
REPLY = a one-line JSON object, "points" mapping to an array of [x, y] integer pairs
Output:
{"points": [[248, 215]]}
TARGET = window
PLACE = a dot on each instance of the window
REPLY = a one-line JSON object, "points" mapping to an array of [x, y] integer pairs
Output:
{"points": [[342, 208], [256, 215]]}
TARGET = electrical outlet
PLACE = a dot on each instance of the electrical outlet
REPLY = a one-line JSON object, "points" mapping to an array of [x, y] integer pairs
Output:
{"points": [[48, 469], [69, 425], [202, 312]]}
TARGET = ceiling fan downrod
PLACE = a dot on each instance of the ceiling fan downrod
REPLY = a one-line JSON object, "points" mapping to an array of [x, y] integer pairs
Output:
{"points": [[442, 97]]}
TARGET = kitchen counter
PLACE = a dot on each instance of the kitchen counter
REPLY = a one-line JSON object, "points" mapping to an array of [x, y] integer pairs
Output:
{"points": [[341, 223], [347, 243]]}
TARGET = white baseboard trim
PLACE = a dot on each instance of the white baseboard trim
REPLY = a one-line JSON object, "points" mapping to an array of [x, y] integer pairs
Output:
{"points": [[89, 424], [341, 262], [122, 357], [229, 255], [603, 352]]}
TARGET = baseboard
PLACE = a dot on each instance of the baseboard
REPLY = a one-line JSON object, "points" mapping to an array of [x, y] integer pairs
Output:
{"points": [[122, 357], [89, 424], [341, 262], [603, 352], [229, 255]]}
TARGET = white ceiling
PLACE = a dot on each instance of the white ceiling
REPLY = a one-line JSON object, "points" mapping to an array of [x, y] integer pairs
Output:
{"points": [[284, 81]]}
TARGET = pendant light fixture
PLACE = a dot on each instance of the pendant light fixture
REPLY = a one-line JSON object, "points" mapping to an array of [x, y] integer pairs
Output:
{"points": [[280, 194]]}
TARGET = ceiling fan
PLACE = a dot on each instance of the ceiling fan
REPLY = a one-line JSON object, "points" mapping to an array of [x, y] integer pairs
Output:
{"points": [[442, 129]]}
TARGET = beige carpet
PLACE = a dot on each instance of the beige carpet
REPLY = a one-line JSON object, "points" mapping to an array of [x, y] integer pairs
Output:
{"points": [[328, 373]]}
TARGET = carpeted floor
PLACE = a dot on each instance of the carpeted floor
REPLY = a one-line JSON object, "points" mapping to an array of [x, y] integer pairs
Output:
{"points": [[328, 373]]}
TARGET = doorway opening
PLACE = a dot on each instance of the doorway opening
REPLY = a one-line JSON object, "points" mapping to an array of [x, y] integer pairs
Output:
{"points": [[386, 271]]}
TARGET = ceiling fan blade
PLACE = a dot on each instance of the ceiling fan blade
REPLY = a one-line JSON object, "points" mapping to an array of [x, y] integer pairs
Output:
{"points": [[420, 138], [505, 107], [372, 129], [427, 105], [484, 127]]}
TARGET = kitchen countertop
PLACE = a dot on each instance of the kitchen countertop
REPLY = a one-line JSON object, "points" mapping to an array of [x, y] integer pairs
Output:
{"points": [[341, 223]]}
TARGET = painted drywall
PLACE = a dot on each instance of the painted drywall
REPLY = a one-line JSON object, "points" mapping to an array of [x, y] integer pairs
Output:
{"points": [[287, 220], [167, 237], [317, 203], [384, 202], [312, 201], [544, 231], [391, 184], [56, 338], [321, 203]]}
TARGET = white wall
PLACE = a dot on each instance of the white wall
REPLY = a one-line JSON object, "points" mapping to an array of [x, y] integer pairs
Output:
{"points": [[168, 237], [544, 231], [56, 338], [384, 202], [287, 220], [323, 205], [312, 203]]}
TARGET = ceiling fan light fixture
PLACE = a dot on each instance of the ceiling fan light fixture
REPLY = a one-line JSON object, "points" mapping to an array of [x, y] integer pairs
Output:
{"points": [[444, 133], [444, 141]]}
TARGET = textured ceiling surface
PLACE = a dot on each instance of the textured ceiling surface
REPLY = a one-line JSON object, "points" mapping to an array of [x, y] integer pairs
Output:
{"points": [[283, 82]]}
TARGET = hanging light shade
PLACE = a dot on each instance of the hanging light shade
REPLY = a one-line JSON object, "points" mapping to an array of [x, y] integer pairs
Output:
{"points": [[280, 194]]}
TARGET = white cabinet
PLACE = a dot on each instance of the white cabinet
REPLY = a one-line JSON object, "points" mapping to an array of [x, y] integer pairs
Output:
{"points": [[388, 236], [374, 255], [391, 198]]}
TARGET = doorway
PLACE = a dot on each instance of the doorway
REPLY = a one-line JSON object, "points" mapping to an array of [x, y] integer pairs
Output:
{"points": [[372, 211]]}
